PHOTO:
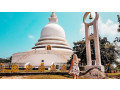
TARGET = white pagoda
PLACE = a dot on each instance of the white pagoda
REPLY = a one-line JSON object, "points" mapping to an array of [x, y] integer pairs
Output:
{"points": [[51, 48]]}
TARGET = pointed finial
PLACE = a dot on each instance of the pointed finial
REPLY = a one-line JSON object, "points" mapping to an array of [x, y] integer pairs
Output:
{"points": [[53, 18], [53, 14]]}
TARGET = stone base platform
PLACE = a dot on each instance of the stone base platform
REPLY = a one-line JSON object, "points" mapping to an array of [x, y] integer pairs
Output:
{"points": [[100, 67], [94, 73]]}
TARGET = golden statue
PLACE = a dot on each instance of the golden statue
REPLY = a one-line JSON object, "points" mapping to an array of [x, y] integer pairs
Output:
{"points": [[15, 68], [48, 47], [53, 68], [63, 68], [2, 67], [41, 67], [29, 68]]}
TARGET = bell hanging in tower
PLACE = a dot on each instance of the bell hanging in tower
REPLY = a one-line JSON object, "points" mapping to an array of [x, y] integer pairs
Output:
{"points": [[90, 17]]}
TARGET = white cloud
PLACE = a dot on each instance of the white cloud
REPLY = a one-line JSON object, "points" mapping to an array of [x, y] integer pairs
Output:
{"points": [[82, 30], [31, 36], [109, 28], [106, 29]]}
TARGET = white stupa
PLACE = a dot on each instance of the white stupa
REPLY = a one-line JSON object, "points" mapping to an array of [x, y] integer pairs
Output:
{"points": [[50, 48]]}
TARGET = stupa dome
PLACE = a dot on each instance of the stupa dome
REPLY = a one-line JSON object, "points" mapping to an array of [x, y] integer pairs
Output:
{"points": [[53, 35], [53, 30]]}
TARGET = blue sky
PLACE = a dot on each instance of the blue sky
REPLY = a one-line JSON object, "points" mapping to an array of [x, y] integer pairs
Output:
{"points": [[19, 31]]}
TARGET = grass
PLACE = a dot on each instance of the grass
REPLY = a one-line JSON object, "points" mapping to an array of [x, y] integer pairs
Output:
{"points": [[9, 71], [39, 77], [46, 77], [113, 74], [52, 76]]}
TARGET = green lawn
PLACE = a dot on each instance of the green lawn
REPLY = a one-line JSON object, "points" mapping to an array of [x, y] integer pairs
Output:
{"points": [[113, 74], [39, 77], [109, 75], [9, 70], [46, 77]]}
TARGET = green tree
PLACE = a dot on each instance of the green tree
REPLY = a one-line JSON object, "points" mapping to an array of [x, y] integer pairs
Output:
{"points": [[107, 50], [7, 60]]}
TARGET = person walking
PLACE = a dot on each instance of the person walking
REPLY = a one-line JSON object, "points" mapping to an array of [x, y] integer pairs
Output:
{"points": [[74, 68]]}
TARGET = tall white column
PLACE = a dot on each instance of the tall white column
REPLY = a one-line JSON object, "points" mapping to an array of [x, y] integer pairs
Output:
{"points": [[97, 45], [88, 48]]}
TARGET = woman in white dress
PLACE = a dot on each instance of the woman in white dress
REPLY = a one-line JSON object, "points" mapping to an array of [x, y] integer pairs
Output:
{"points": [[74, 68]]}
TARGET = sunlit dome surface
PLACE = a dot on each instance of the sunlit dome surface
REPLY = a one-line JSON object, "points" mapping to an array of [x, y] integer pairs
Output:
{"points": [[52, 30], [52, 34]]}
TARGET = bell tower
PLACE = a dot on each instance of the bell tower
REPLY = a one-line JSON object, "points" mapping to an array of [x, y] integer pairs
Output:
{"points": [[95, 37]]}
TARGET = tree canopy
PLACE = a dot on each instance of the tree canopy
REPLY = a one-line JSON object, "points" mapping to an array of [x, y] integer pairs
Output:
{"points": [[108, 51], [7, 60]]}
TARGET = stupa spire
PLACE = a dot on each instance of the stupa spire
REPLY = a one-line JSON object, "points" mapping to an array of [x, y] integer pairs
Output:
{"points": [[53, 14], [53, 18]]}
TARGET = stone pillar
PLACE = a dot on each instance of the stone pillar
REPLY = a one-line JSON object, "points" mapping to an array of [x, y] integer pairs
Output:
{"points": [[88, 48], [97, 45], [95, 37]]}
